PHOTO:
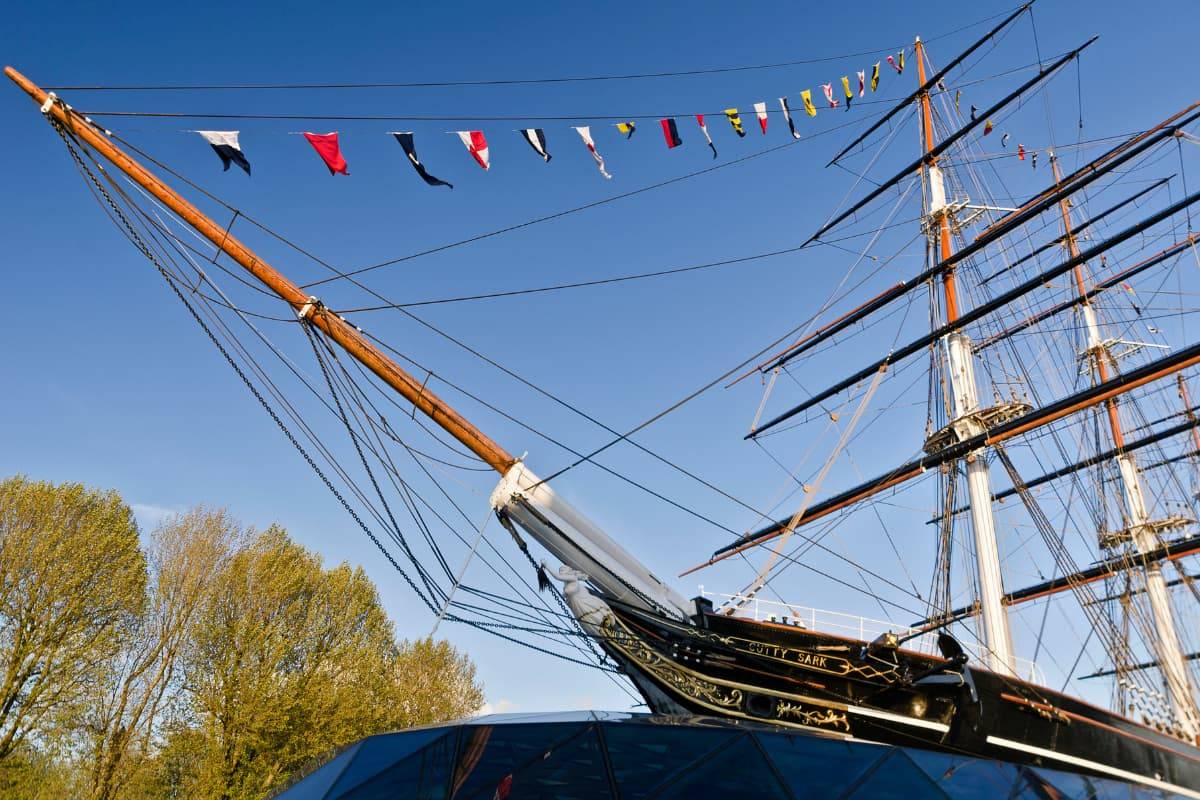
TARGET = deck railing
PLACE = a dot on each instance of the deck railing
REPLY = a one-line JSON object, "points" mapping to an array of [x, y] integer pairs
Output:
{"points": [[839, 623]]}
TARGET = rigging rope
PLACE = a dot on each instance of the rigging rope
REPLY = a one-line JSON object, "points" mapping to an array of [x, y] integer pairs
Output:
{"points": [[132, 234], [513, 81]]}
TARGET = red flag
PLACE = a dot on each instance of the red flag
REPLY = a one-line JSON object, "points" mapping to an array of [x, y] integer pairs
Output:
{"points": [[477, 145], [326, 145], [1021, 151], [504, 788]]}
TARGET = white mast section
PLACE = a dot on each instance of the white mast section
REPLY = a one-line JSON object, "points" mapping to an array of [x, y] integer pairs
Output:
{"points": [[966, 422], [580, 544], [967, 419], [993, 614], [1166, 644]]}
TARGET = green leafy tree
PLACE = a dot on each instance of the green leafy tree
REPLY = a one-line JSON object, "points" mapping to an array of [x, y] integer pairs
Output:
{"points": [[217, 664], [432, 682], [119, 723], [290, 660], [72, 583]]}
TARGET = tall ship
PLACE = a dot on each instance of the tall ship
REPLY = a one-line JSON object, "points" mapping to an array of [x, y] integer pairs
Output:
{"points": [[1053, 405]]}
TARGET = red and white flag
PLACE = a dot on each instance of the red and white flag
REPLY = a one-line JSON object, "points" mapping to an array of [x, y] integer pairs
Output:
{"points": [[477, 145], [760, 109], [707, 138], [326, 145], [828, 89], [862, 82], [585, 133]]}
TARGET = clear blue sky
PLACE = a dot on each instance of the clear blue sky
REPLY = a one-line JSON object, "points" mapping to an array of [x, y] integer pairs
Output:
{"points": [[107, 382]]}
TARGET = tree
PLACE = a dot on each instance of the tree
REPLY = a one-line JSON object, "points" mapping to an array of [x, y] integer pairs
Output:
{"points": [[185, 553], [30, 773], [218, 664], [433, 682], [72, 581], [290, 661]]}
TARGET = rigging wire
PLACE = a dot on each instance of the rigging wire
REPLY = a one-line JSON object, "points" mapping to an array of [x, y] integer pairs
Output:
{"points": [[512, 81], [502, 368], [172, 281]]}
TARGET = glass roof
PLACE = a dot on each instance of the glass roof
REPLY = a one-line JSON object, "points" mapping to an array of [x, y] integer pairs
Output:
{"points": [[619, 756]]}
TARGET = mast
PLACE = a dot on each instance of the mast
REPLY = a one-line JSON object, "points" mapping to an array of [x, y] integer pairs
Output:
{"points": [[1175, 551], [521, 496], [960, 368], [1002, 432], [1140, 528]]}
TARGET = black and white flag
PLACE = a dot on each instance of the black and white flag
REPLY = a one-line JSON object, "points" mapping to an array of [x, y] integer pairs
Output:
{"points": [[405, 138], [787, 115], [225, 144], [537, 140]]}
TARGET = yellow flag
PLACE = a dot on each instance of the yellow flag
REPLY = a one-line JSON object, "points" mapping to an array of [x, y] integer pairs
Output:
{"points": [[806, 96], [875, 76], [627, 128], [846, 89]]}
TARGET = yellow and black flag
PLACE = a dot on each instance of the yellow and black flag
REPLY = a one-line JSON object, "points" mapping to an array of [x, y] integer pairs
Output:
{"points": [[735, 120], [806, 96], [847, 90], [627, 128], [875, 76]]}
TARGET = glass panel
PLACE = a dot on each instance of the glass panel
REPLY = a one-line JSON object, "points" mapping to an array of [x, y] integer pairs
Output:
{"points": [[317, 783], [898, 778], [962, 776], [519, 717], [572, 771], [489, 753], [817, 767], [377, 753], [1044, 784], [645, 756], [423, 775], [738, 770]]}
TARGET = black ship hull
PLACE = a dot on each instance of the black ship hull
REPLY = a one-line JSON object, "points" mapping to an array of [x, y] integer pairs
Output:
{"points": [[790, 676]]}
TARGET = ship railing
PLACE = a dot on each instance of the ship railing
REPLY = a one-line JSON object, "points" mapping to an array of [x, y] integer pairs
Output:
{"points": [[839, 623]]}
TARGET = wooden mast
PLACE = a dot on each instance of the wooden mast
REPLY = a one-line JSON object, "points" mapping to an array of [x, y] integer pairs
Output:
{"points": [[964, 409], [307, 307], [1097, 351]]}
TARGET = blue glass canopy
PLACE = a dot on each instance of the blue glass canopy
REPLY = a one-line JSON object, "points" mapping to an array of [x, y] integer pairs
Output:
{"points": [[618, 756]]}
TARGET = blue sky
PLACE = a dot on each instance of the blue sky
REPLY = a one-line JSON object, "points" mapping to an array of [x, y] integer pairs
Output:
{"points": [[109, 383]]}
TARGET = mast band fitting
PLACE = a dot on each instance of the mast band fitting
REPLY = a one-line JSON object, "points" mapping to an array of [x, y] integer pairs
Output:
{"points": [[308, 308], [51, 99]]}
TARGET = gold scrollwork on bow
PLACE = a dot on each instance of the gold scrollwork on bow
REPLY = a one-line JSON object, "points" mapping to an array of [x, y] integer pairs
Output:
{"points": [[821, 717]]}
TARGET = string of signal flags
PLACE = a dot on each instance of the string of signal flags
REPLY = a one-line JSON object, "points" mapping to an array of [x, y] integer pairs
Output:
{"points": [[227, 145]]}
